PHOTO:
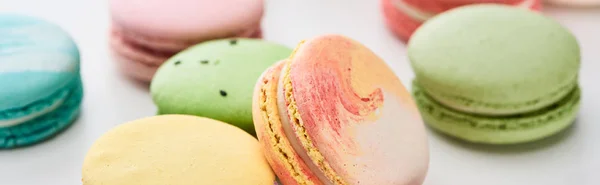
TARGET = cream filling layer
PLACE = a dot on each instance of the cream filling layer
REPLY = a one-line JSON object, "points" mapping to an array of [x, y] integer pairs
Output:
{"points": [[423, 16], [12, 122], [289, 132], [412, 11]]}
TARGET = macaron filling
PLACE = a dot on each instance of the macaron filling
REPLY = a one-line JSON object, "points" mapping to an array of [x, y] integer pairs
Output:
{"points": [[287, 110], [18, 115], [291, 123], [563, 110], [153, 51], [412, 11], [300, 132], [271, 115], [57, 118], [35, 110], [468, 104]]}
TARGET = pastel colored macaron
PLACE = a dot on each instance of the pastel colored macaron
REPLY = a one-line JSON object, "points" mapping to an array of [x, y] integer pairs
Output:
{"points": [[335, 113], [215, 79], [176, 149], [40, 84], [576, 3], [403, 17], [144, 35], [485, 78]]}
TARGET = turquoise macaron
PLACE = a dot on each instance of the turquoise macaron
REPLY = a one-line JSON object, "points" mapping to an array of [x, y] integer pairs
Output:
{"points": [[215, 79], [40, 84], [495, 74]]}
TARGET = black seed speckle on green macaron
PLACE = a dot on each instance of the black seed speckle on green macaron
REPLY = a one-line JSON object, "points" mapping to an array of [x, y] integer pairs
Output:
{"points": [[204, 61], [233, 42], [178, 62], [223, 93]]}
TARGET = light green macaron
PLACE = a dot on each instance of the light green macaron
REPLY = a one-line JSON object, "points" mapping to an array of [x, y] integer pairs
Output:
{"points": [[215, 79], [495, 74]]}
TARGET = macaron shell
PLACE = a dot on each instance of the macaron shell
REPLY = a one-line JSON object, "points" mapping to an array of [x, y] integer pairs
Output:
{"points": [[176, 149], [215, 79], [284, 160], [498, 130], [37, 58], [487, 63], [347, 97], [187, 19], [403, 17]]}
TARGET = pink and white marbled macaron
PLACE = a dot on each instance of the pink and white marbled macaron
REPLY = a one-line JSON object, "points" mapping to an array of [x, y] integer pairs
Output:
{"points": [[335, 113]]}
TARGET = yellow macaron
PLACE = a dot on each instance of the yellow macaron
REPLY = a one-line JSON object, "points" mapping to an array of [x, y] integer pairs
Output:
{"points": [[176, 149]]}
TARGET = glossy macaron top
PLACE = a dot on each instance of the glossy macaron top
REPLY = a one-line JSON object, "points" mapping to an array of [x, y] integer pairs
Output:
{"points": [[352, 114], [215, 79], [176, 149], [186, 19], [494, 59], [37, 59]]}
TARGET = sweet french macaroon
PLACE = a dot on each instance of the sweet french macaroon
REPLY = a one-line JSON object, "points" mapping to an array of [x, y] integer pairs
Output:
{"points": [[483, 77], [576, 3], [144, 35], [41, 85], [403, 17], [215, 79], [335, 113], [176, 149]]}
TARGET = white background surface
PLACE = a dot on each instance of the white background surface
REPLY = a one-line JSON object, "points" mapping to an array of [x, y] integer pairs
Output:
{"points": [[571, 158]]}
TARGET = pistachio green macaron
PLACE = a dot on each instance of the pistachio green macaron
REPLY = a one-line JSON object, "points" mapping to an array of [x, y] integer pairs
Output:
{"points": [[215, 79], [495, 74]]}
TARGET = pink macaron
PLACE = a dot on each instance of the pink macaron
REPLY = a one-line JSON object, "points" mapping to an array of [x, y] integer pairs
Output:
{"points": [[144, 35], [575, 3], [403, 17]]}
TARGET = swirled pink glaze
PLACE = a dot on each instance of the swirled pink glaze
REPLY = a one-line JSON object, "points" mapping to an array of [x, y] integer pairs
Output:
{"points": [[357, 113]]}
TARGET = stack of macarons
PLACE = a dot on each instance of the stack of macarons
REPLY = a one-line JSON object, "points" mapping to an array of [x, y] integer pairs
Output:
{"points": [[403, 17], [215, 79], [41, 86], [144, 35], [483, 77]]}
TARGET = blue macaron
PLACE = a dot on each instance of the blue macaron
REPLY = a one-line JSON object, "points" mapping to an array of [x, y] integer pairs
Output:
{"points": [[40, 83]]}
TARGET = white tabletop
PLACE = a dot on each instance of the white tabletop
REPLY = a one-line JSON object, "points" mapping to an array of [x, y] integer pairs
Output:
{"points": [[570, 158]]}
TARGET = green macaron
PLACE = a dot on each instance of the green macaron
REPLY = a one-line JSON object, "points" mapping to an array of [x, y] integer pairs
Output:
{"points": [[495, 74], [215, 79]]}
